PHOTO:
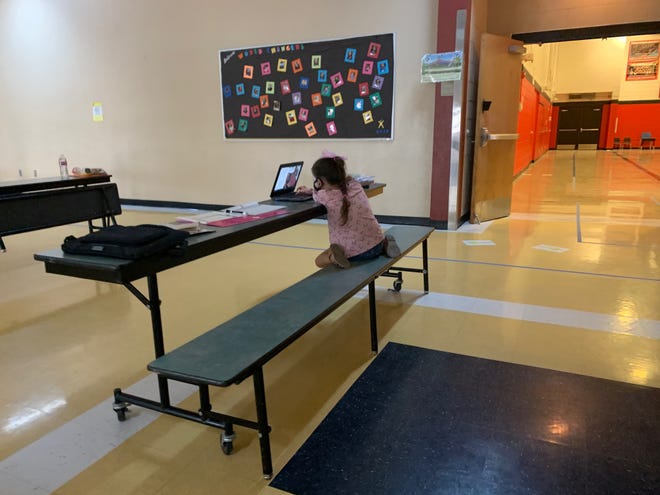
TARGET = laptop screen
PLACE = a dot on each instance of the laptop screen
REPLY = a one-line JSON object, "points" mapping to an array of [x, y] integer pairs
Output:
{"points": [[287, 178]]}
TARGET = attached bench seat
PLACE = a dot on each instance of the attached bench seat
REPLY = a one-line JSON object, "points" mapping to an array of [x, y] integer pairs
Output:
{"points": [[239, 348]]}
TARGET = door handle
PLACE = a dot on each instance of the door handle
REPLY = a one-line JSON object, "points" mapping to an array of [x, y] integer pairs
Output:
{"points": [[585, 129], [487, 136]]}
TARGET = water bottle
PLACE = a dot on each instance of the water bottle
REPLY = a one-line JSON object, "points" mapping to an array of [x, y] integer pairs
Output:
{"points": [[64, 169]]}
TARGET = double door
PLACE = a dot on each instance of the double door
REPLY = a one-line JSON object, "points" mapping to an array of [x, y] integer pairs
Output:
{"points": [[579, 125]]}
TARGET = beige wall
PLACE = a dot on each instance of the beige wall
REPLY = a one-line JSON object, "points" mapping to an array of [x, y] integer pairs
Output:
{"points": [[589, 66], [153, 64]]}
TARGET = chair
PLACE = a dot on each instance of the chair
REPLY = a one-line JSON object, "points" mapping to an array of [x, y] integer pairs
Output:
{"points": [[617, 143], [647, 138], [626, 143]]}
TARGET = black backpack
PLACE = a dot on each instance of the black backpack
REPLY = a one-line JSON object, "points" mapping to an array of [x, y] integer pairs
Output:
{"points": [[128, 242]]}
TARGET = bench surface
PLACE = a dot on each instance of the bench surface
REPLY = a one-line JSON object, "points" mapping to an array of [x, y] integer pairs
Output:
{"points": [[232, 351]]}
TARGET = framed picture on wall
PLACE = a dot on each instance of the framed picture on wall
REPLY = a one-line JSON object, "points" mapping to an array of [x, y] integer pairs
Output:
{"points": [[643, 58]]}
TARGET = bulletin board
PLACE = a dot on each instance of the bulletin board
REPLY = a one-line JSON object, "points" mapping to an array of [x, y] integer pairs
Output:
{"points": [[335, 89]]}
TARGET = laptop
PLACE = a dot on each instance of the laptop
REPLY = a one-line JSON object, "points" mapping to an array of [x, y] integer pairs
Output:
{"points": [[284, 187]]}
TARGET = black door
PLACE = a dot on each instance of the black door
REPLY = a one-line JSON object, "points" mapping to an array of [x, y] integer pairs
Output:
{"points": [[579, 125]]}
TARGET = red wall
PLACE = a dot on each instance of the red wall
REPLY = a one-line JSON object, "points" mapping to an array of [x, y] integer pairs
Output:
{"points": [[553, 130], [526, 125], [534, 126], [633, 119], [543, 126]]}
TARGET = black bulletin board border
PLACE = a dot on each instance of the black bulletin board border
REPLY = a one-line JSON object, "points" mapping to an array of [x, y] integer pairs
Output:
{"points": [[333, 89]]}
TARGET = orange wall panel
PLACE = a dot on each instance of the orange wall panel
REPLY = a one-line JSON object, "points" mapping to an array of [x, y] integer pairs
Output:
{"points": [[526, 125], [631, 119]]}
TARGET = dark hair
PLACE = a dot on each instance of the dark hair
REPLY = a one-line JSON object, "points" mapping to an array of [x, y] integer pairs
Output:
{"points": [[333, 170]]}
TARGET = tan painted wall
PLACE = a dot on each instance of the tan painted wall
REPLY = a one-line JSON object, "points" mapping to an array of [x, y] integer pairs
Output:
{"points": [[590, 66], [153, 64]]}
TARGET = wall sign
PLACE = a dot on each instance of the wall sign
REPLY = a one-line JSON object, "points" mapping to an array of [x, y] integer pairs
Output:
{"points": [[643, 60], [336, 89]]}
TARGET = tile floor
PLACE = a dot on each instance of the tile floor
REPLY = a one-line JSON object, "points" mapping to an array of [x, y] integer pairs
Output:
{"points": [[569, 281]]}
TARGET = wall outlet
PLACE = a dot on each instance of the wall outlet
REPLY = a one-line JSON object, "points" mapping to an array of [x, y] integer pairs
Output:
{"points": [[20, 172], [35, 173]]}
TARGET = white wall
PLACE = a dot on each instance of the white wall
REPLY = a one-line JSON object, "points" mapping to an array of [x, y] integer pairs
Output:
{"points": [[153, 64], [637, 90], [589, 66]]}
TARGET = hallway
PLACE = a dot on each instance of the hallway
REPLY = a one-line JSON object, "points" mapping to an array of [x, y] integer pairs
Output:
{"points": [[570, 281]]}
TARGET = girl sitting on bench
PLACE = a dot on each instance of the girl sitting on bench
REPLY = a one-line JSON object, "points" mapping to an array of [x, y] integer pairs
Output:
{"points": [[353, 229]]}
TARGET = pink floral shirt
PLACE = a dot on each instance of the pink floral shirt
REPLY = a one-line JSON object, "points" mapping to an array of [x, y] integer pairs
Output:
{"points": [[361, 231]]}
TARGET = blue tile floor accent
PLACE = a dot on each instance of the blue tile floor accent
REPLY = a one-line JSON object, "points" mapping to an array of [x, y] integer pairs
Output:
{"points": [[420, 421]]}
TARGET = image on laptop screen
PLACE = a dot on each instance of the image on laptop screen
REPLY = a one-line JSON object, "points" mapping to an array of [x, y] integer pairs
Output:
{"points": [[286, 179]]}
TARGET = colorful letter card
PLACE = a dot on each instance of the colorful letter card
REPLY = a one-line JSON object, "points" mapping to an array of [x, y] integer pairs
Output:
{"points": [[337, 80], [383, 67], [310, 129], [374, 50], [332, 128]]}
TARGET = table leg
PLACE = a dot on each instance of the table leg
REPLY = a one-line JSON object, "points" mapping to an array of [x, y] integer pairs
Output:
{"points": [[157, 330], [425, 265], [372, 317], [262, 419]]}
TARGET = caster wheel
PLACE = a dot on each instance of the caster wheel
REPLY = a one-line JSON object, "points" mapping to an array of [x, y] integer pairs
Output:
{"points": [[228, 447], [121, 414], [120, 408], [227, 442], [397, 285]]}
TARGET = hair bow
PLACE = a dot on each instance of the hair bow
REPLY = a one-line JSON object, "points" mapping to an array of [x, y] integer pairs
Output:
{"points": [[330, 154]]}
